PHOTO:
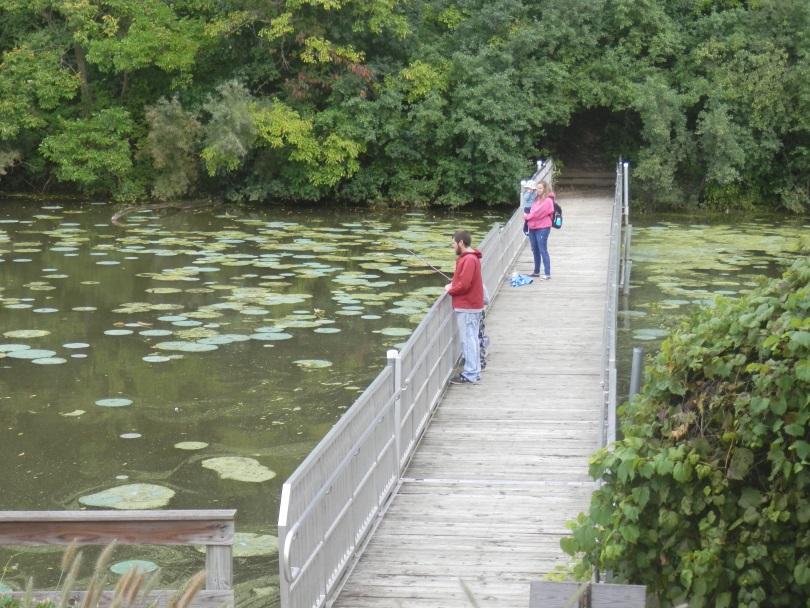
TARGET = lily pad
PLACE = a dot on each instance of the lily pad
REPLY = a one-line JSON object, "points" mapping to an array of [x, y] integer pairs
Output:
{"points": [[49, 361], [188, 347], [76, 345], [73, 414], [156, 359], [396, 331], [246, 544], [224, 339], [31, 353], [313, 363], [26, 333], [140, 565], [130, 496], [191, 445], [271, 336], [239, 468], [155, 332], [8, 348], [114, 402]]}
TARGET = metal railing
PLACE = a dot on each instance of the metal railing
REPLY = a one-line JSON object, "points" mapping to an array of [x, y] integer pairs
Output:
{"points": [[618, 277], [329, 504]]}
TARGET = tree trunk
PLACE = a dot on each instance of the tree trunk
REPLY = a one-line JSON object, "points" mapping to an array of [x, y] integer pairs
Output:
{"points": [[85, 86]]}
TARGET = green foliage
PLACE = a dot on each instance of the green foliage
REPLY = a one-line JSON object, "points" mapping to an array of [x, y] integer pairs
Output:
{"points": [[707, 497], [230, 134], [171, 145], [414, 103], [93, 152]]}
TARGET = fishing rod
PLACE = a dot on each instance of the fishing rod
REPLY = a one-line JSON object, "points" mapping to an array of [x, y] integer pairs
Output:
{"points": [[414, 254]]}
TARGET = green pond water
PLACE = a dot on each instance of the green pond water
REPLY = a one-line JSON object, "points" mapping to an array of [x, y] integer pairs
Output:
{"points": [[193, 360], [682, 262]]}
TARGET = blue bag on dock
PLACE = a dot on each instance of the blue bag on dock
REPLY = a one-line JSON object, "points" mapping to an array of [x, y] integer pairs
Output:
{"points": [[518, 280]]}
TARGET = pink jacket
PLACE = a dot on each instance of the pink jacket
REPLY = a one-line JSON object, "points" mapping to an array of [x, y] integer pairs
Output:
{"points": [[539, 216]]}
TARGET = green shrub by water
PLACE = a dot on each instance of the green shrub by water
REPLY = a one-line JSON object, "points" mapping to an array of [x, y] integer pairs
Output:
{"points": [[707, 497]]}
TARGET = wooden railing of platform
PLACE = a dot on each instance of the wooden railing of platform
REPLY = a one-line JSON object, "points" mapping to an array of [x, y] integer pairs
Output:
{"points": [[213, 529], [330, 503]]}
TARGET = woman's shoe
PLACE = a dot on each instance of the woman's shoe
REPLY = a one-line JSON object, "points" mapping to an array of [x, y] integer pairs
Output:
{"points": [[535, 274], [545, 278]]}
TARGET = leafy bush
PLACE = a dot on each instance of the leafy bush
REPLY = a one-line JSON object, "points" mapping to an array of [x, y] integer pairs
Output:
{"points": [[707, 497]]}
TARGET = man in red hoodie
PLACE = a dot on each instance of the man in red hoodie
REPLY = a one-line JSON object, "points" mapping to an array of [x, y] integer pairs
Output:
{"points": [[467, 293]]}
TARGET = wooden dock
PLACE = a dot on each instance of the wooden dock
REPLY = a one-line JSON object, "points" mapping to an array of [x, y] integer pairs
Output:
{"points": [[504, 463]]}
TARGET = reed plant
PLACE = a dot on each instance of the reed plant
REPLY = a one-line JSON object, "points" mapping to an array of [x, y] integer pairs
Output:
{"points": [[132, 590]]}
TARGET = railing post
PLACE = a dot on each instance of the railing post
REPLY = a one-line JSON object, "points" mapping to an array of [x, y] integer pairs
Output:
{"points": [[635, 372], [626, 190], [395, 361]]}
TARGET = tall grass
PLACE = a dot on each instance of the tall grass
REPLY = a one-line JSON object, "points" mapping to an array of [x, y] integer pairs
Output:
{"points": [[132, 590]]}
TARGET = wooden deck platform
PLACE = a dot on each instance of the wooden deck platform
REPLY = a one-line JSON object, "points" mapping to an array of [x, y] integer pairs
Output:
{"points": [[504, 463]]}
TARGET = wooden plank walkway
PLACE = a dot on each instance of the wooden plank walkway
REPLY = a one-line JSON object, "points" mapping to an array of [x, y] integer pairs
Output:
{"points": [[504, 463]]}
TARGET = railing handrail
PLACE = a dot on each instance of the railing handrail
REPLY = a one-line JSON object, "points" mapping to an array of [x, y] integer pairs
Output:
{"points": [[212, 528], [619, 222], [407, 391]]}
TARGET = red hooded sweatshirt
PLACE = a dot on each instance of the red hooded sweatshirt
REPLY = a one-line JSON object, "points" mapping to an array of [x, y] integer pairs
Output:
{"points": [[467, 288]]}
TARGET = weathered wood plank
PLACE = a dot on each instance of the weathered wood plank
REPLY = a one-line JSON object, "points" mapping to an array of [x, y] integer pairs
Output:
{"points": [[150, 531]]}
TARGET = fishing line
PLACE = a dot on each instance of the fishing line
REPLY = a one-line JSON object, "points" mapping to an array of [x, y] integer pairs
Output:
{"points": [[401, 246]]}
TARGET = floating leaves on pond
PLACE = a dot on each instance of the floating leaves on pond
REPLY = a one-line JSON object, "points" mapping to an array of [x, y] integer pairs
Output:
{"points": [[197, 334], [73, 414], [239, 468], [225, 339], [7, 348], [163, 290], [45, 310], [114, 402], [140, 565], [131, 435], [130, 496], [246, 544], [313, 363], [49, 361], [188, 347], [84, 308], [30, 353], [155, 332], [396, 331], [26, 333], [76, 345], [327, 330], [156, 359], [118, 332], [39, 286], [271, 336], [191, 445]]}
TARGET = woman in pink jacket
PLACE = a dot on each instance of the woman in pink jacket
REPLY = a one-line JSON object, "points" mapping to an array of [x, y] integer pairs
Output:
{"points": [[539, 221]]}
